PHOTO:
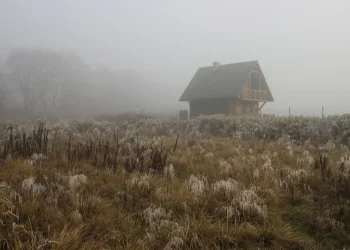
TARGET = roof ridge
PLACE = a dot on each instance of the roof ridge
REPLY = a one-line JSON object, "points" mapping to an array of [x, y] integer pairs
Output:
{"points": [[231, 64]]}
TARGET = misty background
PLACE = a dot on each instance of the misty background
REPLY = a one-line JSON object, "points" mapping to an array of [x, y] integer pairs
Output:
{"points": [[90, 57]]}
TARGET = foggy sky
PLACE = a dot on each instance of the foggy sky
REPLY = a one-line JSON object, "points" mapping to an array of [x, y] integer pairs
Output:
{"points": [[303, 47]]}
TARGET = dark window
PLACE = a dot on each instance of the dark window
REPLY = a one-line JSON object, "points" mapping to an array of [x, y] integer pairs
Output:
{"points": [[254, 80], [244, 108]]}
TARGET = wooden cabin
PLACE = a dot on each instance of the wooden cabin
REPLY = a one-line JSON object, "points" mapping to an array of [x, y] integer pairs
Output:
{"points": [[237, 88]]}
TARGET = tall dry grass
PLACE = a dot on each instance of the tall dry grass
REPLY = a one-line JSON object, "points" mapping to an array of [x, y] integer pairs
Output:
{"points": [[70, 190]]}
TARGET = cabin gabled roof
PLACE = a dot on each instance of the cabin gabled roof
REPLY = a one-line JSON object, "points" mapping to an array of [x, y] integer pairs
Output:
{"points": [[222, 81]]}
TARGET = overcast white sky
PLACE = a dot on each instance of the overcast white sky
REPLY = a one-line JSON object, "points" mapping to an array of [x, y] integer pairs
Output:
{"points": [[303, 46]]}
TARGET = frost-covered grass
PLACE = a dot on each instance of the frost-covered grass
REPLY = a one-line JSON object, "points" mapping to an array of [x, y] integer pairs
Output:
{"points": [[281, 129], [95, 185]]}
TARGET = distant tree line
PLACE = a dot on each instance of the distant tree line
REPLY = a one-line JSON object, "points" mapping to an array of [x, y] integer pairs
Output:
{"points": [[35, 83]]}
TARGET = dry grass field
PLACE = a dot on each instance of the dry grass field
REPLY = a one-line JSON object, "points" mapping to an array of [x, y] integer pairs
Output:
{"points": [[209, 183]]}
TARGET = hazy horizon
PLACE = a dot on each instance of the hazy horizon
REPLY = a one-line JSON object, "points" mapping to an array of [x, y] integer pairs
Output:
{"points": [[302, 47]]}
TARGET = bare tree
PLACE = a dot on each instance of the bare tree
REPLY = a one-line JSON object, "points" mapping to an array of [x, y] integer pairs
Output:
{"points": [[38, 75]]}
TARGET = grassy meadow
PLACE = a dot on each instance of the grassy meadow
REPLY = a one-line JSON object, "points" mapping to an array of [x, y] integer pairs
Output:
{"points": [[209, 183]]}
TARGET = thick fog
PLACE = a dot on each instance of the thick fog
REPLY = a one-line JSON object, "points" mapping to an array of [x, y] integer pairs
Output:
{"points": [[134, 55]]}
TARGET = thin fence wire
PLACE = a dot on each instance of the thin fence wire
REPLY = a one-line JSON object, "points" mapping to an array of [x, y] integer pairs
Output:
{"points": [[325, 111]]}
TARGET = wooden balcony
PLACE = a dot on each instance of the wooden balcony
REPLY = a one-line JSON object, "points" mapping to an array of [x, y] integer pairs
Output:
{"points": [[254, 95]]}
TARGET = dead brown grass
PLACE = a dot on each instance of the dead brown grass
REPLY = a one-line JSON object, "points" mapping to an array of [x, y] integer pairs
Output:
{"points": [[279, 203]]}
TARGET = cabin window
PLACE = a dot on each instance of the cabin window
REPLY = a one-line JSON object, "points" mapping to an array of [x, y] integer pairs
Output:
{"points": [[254, 80], [244, 108]]}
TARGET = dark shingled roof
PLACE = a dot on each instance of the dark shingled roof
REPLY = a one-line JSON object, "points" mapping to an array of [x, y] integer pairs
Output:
{"points": [[223, 81]]}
